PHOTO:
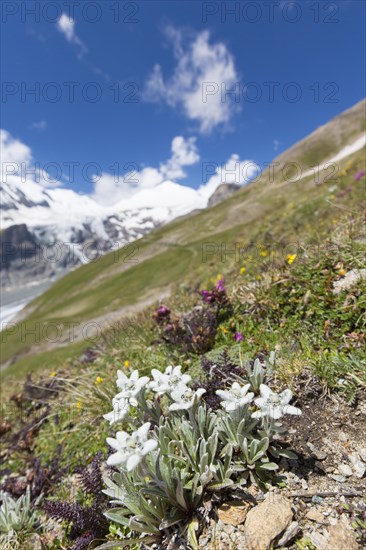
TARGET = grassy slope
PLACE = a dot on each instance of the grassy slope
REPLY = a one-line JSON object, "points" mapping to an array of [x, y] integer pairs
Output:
{"points": [[174, 252], [278, 306]]}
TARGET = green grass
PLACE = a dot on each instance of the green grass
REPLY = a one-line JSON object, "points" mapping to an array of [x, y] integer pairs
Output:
{"points": [[263, 211], [175, 253], [278, 306]]}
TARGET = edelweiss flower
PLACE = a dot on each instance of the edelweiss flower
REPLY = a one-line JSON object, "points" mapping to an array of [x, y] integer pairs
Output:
{"points": [[130, 386], [185, 397], [166, 382], [273, 404], [131, 448], [120, 410], [235, 397]]}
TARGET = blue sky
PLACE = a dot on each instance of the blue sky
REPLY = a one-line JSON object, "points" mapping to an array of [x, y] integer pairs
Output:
{"points": [[159, 54]]}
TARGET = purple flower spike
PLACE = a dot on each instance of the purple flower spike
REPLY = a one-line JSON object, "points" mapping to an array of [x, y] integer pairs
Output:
{"points": [[220, 285], [163, 311], [238, 336], [207, 296], [359, 175]]}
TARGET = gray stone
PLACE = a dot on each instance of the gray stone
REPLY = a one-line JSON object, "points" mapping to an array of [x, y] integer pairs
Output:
{"points": [[319, 541], [338, 478], [351, 278], [358, 466], [362, 454], [289, 534], [345, 470]]}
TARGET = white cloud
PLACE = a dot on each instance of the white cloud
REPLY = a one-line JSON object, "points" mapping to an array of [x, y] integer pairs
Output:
{"points": [[66, 25], [109, 189], [276, 144], [18, 166], [236, 171], [20, 170], [184, 153], [13, 150], [40, 125], [202, 74]]}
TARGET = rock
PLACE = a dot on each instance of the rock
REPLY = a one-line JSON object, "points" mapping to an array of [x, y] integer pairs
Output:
{"points": [[304, 484], [316, 516], [351, 278], [222, 192], [289, 534], [319, 455], [338, 478], [266, 522], [320, 466], [362, 454], [358, 466], [319, 541], [342, 436], [233, 512], [341, 538], [345, 470]]}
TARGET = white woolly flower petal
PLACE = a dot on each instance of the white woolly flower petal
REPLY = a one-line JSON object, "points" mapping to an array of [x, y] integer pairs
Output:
{"points": [[289, 409], [120, 410], [116, 459], [180, 406], [142, 432], [265, 391], [229, 406], [109, 416], [113, 443], [275, 412], [149, 446], [226, 395], [286, 396], [132, 462], [246, 399]]}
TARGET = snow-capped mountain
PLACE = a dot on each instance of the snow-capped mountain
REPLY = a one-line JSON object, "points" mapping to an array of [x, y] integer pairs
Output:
{"points": [[66, 228]]}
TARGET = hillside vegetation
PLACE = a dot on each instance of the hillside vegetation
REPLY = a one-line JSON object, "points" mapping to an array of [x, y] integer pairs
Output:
{"points": [[82, 303], [281, 269]]}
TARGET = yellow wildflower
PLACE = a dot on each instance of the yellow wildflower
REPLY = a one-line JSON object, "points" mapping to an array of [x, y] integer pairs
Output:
{"points": [[242, 270], [126, 364], [258, 277], [224, 330], [342, 272], [99, 380], [219, 277], [53, 374], [291, 258], [79, 405], [263, 253]]}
